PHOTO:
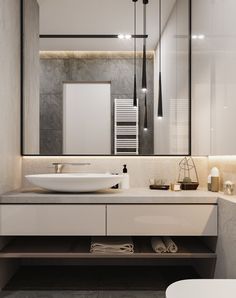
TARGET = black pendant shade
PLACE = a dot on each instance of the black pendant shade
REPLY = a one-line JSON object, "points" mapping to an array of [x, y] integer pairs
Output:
{"points": [[160, 108], [145, 125], [160, 105], [135, 56], [135, 92], [144, 71]]}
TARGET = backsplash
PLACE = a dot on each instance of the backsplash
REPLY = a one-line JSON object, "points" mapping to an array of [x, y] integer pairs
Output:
{"points": [[141, 169]]}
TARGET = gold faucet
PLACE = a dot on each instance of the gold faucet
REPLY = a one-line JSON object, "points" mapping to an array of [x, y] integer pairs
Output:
{"points": [[59, 165]]}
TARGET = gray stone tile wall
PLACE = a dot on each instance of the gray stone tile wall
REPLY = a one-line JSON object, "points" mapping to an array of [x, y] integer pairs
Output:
{"points": [[53, 72], [226, 242]]}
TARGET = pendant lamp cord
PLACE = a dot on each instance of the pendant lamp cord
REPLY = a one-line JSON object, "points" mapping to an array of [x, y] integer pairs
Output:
{"points": [[144, 74], [159, 36], [144, 23], [135, 40], [135, 56]]}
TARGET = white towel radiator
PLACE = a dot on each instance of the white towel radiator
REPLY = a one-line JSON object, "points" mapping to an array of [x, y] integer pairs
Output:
{"points": [[126, 130]]}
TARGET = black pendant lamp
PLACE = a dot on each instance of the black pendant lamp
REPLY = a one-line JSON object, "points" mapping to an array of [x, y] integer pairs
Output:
{"points": [[144, 72], [145, 126], [135, 55], [160, 107]]}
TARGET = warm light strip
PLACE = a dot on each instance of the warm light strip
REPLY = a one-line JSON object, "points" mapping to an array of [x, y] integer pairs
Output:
{"points": [[222, 157], [91, 54], [108, 157]]}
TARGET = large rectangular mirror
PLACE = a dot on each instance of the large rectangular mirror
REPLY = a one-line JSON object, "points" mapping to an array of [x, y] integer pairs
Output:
{"points": [[80, 59]]}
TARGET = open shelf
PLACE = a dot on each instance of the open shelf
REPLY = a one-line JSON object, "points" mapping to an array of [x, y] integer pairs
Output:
{"points": [[79, 248], [96, 278]]}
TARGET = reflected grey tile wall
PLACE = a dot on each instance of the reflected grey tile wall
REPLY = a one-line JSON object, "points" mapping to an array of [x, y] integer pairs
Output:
{"points": [[53, 72], [50, 142], [51, 111]]}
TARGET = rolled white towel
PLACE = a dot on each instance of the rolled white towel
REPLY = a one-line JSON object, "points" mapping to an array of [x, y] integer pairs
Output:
{"points": [[111, 251], [170, 245], [158, 245]]}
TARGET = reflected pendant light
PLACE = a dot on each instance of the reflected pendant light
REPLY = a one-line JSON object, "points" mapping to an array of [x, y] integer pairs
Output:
{"points": [[145, 126], [160, 107], [135, 56], [144, 72]]}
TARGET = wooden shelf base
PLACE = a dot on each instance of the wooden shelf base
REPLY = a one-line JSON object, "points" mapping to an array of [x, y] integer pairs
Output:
{"points": [[79, 248]]}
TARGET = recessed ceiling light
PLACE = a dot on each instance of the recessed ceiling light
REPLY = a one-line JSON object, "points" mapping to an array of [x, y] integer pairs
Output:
{"points": [[201, 36], [128, 36], [121, 36], [124, 36]]}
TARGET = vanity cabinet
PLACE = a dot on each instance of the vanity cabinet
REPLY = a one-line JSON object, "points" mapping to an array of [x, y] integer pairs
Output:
{"points": [[174, 220], [110, 220], [57, 228], [58, 220]]}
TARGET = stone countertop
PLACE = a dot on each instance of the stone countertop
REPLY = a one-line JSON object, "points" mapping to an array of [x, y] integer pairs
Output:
{"points": [[112, 196]]}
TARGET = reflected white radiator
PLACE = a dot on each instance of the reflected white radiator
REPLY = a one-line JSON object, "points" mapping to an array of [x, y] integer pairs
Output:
{"points": [[126, 130]]}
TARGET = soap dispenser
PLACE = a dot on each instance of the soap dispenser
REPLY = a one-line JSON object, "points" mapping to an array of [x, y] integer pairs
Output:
{"points": [[125, 181]]}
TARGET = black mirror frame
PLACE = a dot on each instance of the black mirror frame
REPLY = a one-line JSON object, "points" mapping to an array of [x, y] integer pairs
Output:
{"points": [[104, 155]]}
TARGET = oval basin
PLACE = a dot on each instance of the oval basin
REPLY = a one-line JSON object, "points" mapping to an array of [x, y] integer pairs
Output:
{"points": [[75, 182]]}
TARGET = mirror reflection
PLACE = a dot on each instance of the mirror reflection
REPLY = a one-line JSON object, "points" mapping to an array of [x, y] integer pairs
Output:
{"points": [[92, 77]]}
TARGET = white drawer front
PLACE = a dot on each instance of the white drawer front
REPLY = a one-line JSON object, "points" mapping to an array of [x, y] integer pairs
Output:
{"points": [[52, 220], [173, 220]]}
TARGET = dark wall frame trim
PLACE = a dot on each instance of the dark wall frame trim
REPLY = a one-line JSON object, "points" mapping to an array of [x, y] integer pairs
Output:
{"points": [[190, 77], [98, 36], [22, 76]]}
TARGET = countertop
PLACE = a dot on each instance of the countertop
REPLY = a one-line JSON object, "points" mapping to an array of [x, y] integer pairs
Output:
{"points": [[131, 196]]}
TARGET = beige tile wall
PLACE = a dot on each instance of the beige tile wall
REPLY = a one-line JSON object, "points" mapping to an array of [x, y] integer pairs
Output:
{"points": [[141, 169]]}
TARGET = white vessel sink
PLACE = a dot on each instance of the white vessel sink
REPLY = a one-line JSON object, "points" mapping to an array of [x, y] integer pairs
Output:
{"points": [[75, 182]]}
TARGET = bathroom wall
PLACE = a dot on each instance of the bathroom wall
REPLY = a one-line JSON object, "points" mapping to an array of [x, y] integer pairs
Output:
{"points": [[213, 109], [226, 244], [172, 131], [10, 160], [141, 169], [31, 77], [213, 77], [117, 67]]}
